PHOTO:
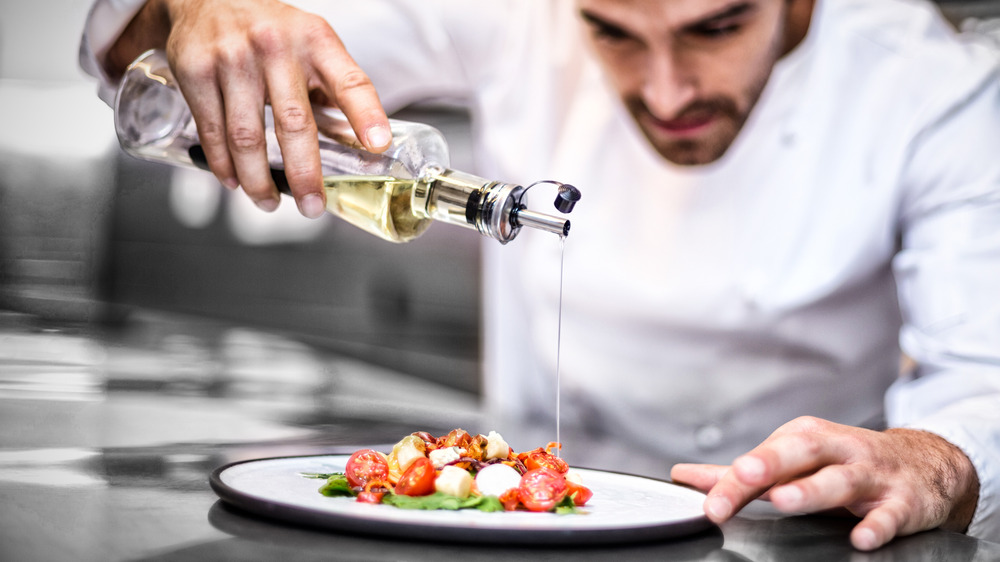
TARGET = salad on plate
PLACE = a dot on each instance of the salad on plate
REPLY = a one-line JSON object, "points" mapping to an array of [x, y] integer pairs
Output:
{"points": [[459, 471]]}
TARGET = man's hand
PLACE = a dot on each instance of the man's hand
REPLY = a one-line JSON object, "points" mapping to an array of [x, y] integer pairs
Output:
{"points": [[230, 57], [899, 481]]}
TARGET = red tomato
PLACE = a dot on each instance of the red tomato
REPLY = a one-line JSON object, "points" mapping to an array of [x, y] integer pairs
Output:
{"points": [[370, 497], [542, 459], [541, 489], [580, 494], [365, 465], [510, 499], [418, 479]]}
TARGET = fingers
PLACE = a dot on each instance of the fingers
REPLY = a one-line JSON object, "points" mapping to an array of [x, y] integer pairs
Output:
{"points": [[230, 59], [880, 526], [705, 477], [201, 90], [243, 94], [893, 479], [831, 487], [295, 129], [785, 456], [355, 95], [700, 476]]}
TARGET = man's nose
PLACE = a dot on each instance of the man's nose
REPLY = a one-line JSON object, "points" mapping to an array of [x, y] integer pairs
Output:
{"points": [[669, 86]]}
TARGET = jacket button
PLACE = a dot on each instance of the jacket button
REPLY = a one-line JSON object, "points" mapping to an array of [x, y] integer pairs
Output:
{"points": [[708, 436]]}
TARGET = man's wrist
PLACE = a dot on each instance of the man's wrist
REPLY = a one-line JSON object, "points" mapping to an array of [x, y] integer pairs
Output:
{"points": [[956, 481], [148, 29]]}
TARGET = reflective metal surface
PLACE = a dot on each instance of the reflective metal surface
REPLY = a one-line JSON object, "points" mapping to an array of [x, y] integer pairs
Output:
{"points": [[108, 435]]}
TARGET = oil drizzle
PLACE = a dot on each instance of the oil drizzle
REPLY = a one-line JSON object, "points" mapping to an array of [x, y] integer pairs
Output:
{"points": [[562, 264]]}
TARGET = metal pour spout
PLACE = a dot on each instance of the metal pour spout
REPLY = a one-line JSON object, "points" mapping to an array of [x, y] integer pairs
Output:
{"points": [[566, 199], [541, 221]]}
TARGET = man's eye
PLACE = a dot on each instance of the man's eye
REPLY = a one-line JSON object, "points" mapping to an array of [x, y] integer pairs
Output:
{"points": [[609, 33], [715, 31]]}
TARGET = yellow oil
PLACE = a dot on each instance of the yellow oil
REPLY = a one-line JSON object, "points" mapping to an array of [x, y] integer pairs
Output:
{"points": [[381, 205]]}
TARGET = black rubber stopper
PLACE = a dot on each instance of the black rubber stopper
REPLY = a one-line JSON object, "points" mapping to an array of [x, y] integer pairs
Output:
{"points": [[567, 198]]}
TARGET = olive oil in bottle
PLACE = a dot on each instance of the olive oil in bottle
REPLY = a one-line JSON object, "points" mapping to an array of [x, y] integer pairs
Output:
{"points": [[382, 205]]}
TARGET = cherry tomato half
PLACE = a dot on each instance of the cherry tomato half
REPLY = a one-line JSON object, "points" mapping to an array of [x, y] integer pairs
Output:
{"points": [[418, 479], [580, 494], [539, 458], [541, 489], [365, 465], [366, 496]]}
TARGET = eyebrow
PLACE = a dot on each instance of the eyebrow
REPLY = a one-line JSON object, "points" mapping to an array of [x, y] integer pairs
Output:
{"points": [[598, 21], [735, 9]]}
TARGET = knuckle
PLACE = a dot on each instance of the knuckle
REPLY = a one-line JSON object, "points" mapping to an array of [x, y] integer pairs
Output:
{"points": [[850, 478], [808, 424], [266, 37], [245, 139], [211, 131], [813, 444], [235, 53], [806, 443], [295, 119], [317, 30], [193, 68], [353, 80]]}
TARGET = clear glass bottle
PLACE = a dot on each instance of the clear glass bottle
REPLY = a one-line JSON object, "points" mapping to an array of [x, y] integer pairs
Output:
{"points": [[395, 195]]}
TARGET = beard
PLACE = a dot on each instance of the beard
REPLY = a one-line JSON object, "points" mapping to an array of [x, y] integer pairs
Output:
{"points": [[727, 120], [728, 115]]}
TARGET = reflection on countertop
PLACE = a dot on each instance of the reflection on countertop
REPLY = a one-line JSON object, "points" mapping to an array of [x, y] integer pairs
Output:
{"points": [[108, 434], [161, 379]]}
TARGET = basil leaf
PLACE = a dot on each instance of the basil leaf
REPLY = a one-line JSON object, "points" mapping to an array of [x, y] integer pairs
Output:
{"points": [[336, 486], [440, 500], [565, 507], [319, 475]]}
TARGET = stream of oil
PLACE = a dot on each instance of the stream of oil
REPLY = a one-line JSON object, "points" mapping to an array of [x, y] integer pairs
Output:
{"points": [[562, 264]]}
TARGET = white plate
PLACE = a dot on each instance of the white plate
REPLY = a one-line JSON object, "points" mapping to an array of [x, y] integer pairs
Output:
{"points": [[624, 508]]}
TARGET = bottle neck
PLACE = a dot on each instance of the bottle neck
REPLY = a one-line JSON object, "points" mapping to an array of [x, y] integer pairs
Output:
{"points": [[493, 208]]}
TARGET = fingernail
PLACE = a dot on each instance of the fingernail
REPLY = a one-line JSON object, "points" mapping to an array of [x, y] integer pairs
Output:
{"points": [[268, 205], [312, 206], [230, 183], [749, 468], [378, 136], [718, 507], [865, 539]]}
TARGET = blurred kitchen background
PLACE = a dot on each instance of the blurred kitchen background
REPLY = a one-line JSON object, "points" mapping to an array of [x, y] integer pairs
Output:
{"points": [[88, 234]]}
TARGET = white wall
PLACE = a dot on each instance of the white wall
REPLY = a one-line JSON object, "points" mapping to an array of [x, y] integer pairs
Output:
{"points": [[39, 39]]}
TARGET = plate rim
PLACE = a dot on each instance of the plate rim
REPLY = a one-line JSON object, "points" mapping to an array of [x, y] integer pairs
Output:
{"points": [[347, 523]]}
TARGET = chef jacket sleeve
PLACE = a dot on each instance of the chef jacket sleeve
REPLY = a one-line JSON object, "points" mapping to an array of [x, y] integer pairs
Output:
{"points": [[105, 22], [948, 275]]}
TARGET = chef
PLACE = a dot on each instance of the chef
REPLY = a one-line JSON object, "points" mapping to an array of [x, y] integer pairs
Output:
{"points": [[782, 198]]}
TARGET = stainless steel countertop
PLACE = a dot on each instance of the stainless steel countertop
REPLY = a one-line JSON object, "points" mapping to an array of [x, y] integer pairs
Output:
{"points": [[108, 435]]}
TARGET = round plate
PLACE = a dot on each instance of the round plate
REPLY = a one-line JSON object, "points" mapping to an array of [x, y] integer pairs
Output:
{"points": [[624, 508]]}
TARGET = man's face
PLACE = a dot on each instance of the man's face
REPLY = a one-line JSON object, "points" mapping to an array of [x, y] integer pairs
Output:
{"points": [[690, 71]]}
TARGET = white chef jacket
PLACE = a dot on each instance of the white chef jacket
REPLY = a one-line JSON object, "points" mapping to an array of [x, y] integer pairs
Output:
{"points": [[857, 213]]}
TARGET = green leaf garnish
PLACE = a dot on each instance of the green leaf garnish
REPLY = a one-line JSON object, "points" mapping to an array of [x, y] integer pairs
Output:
{"points": [[336, 486], [440, 500], [566, 506]]}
